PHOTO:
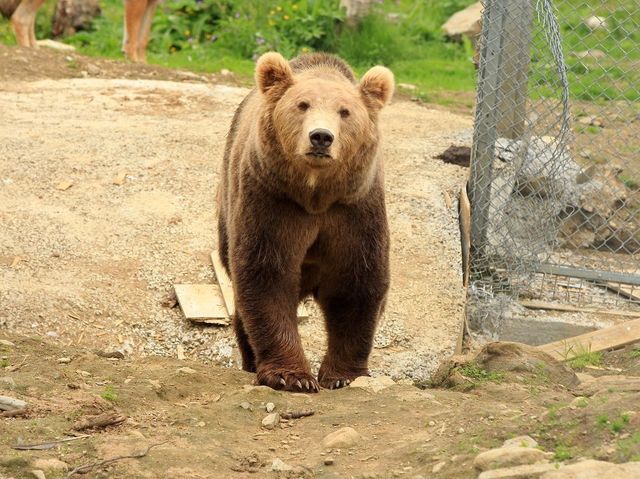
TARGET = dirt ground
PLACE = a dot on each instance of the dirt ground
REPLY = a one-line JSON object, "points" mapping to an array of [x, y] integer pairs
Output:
{"points": [[95, 264], [88, 268]]}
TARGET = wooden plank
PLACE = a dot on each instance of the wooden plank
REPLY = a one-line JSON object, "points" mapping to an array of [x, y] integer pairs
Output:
{"points": [[224, 282], [227, 288], [202, 303], [573, 309], [607, 338]]}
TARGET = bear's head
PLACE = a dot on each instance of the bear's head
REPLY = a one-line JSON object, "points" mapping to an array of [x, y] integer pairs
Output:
{"points": [[318, 119]]}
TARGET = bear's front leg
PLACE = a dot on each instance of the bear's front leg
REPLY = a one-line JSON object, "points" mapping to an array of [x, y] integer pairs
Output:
{"points": [[265, 267]]}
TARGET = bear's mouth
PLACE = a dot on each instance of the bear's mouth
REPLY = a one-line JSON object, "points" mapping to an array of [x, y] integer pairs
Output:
{"points": [[318, 155]]}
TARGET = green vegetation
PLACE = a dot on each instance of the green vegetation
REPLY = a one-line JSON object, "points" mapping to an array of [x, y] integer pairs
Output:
{"points": [[562, 452], [635, 353], [629, 448], [474, 372], [583, 357], [109, 393], [405, 35], [4, 363]]}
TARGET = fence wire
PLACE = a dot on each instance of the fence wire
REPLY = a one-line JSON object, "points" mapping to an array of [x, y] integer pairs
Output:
{"points": [[555, 172]]}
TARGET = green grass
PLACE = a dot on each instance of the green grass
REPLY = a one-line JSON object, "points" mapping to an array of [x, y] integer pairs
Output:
{"points": [[629, 448], [562, 453], [583, 357], [4, 363], [635, 353], [109, 393], [474, 372]]}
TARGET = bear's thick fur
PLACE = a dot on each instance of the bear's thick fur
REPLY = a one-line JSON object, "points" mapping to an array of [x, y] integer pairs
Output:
{"points": [[301, 211]]}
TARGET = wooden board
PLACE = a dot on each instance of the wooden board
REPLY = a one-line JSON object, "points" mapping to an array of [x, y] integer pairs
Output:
{"points": [[227, 288], [607, 338], [202, 303], [626, 290]]}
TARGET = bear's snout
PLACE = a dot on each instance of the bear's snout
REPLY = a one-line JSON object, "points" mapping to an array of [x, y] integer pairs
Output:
{"points": [[321, 138]]}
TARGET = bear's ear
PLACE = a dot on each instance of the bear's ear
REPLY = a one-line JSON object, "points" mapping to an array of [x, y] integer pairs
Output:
{"points": [[272, 70], [377, 85]]}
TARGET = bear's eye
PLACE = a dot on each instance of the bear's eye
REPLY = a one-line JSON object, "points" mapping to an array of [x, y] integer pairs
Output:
{"points": [[303, 106], [344, 113]]}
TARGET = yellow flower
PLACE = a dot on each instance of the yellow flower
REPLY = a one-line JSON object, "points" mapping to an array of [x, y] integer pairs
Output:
{"points": [[271, 23], [286, 17], [305, 49], [272, 12], [295, 7], [187, 32], [279, 8]]}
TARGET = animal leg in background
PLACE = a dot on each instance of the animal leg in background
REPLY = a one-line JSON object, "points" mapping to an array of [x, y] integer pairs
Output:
{"points": [[138, 15], [23, 22]]}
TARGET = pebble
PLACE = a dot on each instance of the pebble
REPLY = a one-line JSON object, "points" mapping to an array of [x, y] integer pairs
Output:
{"points": [[38, 474], [270, 407], [187, 370], [224, 72], [432, 423], [271, 420], [342, 438], [329, 461], [64, 360], [245, 405], [279, 465], [461, 430], [5, 342]]}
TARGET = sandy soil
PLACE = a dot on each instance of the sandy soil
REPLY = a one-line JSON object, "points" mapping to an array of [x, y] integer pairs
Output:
{"points": [[94, 264]]}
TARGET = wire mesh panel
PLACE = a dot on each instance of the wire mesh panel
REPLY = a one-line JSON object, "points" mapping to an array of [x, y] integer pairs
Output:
{"points": [[555, 172]]}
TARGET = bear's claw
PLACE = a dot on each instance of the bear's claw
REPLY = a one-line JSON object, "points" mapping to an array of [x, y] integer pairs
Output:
{"points": [[296, 381]]}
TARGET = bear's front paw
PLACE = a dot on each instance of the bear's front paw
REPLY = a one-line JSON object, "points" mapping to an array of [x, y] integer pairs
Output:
{"points": [[331, 379], [288, 380]]}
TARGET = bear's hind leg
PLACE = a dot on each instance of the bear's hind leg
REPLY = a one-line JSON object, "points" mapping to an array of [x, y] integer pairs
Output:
{"points": [[246, 351]]}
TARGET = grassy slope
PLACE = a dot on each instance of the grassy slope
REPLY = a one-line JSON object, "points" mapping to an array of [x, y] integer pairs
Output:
{"points": [[414, 48]]}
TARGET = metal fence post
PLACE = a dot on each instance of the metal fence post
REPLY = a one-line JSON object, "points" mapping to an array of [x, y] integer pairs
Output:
{"points": [[501, 100]]}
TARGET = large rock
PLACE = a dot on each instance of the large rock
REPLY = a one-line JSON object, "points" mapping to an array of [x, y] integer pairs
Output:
{"points": [[593, 386], [373, 385], [341, 439], [592, 469], [517, 357], [509, 456]]}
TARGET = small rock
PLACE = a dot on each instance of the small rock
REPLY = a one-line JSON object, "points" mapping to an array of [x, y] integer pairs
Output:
{"points": [[342, 438], [507, 457], [438, 467], [270, 407], [372, 384], [329, 461], [461, 430], [187, 370], [111, 354], [10, 404], [271, 420], [528, 471], [201, 424], [595, 23], [93, 69], [5, 342], [245, 405], [279, 465], [64, 360], [407, 86], [50, 464], [431, 423], [224, 72], [520, 441], [38, 474]]}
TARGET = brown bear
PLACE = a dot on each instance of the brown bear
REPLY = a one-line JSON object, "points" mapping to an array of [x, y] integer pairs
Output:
{"points": [[301, 212]]}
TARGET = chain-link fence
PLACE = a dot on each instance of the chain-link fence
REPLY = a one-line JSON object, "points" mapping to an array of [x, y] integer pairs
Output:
{"points": [[555, 172]]}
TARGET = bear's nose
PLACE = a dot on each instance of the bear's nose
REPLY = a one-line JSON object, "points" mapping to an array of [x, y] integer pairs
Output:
{"points": [[321, 138]]}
